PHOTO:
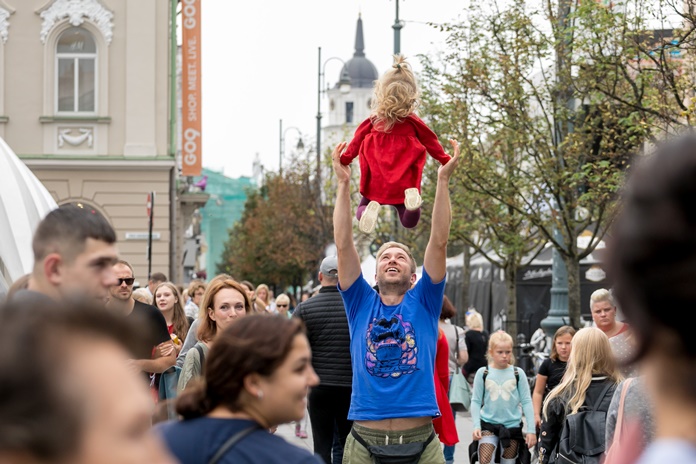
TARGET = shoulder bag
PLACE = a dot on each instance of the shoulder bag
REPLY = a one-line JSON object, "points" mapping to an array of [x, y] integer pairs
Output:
{"points": [[614, 452], [460, 390]]}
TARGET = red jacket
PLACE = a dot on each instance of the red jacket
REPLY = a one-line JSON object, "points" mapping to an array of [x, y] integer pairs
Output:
{"points": [[445, 426], [391, 162]]}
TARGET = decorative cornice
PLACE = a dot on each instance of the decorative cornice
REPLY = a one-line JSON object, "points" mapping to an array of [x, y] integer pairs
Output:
{"points": [[76, 11], [4, 23]]}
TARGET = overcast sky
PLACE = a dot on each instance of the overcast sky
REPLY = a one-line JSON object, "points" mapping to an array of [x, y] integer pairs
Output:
{"points": [[260, 65]]}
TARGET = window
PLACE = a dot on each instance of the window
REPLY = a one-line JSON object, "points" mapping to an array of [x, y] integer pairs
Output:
{"points": [[349, 112], [76, 57]]}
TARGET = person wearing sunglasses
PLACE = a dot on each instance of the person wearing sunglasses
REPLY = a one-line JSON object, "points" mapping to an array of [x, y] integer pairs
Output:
{"points": [[282, 303], [121, 300]]}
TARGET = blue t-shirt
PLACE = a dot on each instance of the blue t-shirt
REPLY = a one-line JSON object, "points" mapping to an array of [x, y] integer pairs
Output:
{"points": [[196, 441], [393, 350]]}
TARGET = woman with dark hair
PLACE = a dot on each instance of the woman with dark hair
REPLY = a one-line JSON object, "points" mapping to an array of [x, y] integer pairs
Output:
{"points": [[224, 302], [257, 376], [652, 265]]}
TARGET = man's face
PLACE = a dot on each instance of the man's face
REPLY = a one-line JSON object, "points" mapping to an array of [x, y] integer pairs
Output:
{"points": [[118, 408], [91, 273], [394, 269], [123, 291]]}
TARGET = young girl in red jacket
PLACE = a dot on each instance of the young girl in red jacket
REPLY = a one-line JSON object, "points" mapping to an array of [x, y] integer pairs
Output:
{"points": [[392, 144]]}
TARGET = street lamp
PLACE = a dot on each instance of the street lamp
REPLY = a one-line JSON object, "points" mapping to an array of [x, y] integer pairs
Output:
{"points": [[300, 144], [344, 86]]}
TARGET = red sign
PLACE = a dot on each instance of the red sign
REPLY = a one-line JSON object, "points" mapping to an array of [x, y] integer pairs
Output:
{"points": [[149, 204], [191, 88]]}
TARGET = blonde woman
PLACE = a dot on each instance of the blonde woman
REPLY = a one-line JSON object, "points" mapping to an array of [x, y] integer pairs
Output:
{"points": [[476, 345], [261, 299], [590, 379], [392, 144], [282, 304], [620, 335]]}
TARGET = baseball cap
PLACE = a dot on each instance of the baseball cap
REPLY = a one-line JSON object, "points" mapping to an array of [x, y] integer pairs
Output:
{"points": [[329, 266]]}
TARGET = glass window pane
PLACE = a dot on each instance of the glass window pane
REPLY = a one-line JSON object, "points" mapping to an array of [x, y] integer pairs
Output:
{"points": [[86, 84], [76, 40], [66, 85], [349, 112]]}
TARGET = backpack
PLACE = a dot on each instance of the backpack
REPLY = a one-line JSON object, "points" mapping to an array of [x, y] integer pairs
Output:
{"points": [[582, 438]]}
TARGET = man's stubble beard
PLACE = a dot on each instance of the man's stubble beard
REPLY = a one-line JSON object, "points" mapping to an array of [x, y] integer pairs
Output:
{"points": [[399, 288]]}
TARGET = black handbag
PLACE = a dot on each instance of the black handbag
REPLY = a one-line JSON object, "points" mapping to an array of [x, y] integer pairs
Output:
{"points": [[405, 453]]}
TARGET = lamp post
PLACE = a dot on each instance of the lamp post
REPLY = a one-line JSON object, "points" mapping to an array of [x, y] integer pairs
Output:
{"points": [[300, 144], [397, 26], [344, 85]]}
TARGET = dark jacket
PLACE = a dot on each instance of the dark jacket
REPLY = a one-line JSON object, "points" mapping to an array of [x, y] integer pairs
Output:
{"points": [[328, 334], [552, 426]]}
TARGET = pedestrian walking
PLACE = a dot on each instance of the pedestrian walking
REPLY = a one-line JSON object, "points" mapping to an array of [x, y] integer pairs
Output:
{"points": [[223, 303], [324, 315], [69, 394], [588, 385], [458, 355], [552, 369], [500, 397], [257, 376], [650, 261]]}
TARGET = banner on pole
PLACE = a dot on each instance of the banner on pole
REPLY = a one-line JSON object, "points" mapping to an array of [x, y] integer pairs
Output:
{"points": [[191, 161]]}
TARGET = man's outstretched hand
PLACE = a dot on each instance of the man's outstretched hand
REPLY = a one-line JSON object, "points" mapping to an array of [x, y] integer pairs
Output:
{"points": [[342, 172], [445, 171]]}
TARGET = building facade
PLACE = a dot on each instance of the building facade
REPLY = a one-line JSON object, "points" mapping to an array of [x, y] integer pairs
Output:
{"points": [[86, 103]]}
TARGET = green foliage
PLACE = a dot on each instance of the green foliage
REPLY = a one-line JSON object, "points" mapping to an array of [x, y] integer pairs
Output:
{"points": [[549, 101], [281, 237]]}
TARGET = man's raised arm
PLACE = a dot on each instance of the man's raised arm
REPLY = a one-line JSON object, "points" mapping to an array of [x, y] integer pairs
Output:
{"points": [[348, 259], [435, 257]]}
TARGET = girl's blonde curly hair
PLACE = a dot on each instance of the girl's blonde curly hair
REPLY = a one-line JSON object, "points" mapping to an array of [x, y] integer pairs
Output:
{"points": [[396, 95]]}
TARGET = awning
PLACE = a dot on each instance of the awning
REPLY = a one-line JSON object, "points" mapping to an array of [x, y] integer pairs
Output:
{"points": [[24, 201]]}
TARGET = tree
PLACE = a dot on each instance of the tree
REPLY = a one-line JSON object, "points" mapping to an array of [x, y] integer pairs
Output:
{"points": [[281, 237], [549, 102]]}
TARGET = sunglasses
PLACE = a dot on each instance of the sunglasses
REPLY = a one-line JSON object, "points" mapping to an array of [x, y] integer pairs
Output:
{"points": [[128, 280], [282, 305]]}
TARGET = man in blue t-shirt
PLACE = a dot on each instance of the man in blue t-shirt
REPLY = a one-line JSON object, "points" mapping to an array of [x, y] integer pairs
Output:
{"points": [[393, 332]]}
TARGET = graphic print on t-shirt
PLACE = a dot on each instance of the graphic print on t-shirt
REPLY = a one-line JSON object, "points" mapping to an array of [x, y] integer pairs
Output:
{"points": [[391, 347], [500, 391]]}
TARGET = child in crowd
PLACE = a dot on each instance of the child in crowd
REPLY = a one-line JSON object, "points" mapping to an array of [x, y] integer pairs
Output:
{"points": [[552, 369], [500, 396], [392, 144]]}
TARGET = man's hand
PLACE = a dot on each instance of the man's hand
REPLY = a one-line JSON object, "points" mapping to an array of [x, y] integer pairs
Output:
{"points": [[342, 172], [445, 171]]}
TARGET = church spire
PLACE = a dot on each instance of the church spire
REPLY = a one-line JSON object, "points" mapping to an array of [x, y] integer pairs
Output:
{"points": [[359, 40]]}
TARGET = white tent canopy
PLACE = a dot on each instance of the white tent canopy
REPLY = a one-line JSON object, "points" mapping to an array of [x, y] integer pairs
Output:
{"points": [[24, 201]]}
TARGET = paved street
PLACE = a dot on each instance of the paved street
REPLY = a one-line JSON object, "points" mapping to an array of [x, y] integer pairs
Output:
{"points": [[287, 431]]}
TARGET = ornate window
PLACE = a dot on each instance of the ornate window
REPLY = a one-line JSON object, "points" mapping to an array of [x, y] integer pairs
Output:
{"points": [[76, 72]]}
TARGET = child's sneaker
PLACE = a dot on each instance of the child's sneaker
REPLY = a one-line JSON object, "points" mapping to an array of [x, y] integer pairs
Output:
{"points": [[368, 220], [412, 200]]}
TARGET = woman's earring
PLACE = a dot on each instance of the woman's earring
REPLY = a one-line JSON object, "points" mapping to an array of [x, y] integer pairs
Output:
{"points": [[259, 395]]}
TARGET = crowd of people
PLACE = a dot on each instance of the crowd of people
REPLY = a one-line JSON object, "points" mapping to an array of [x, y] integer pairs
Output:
{"points": [[95, 371]]}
